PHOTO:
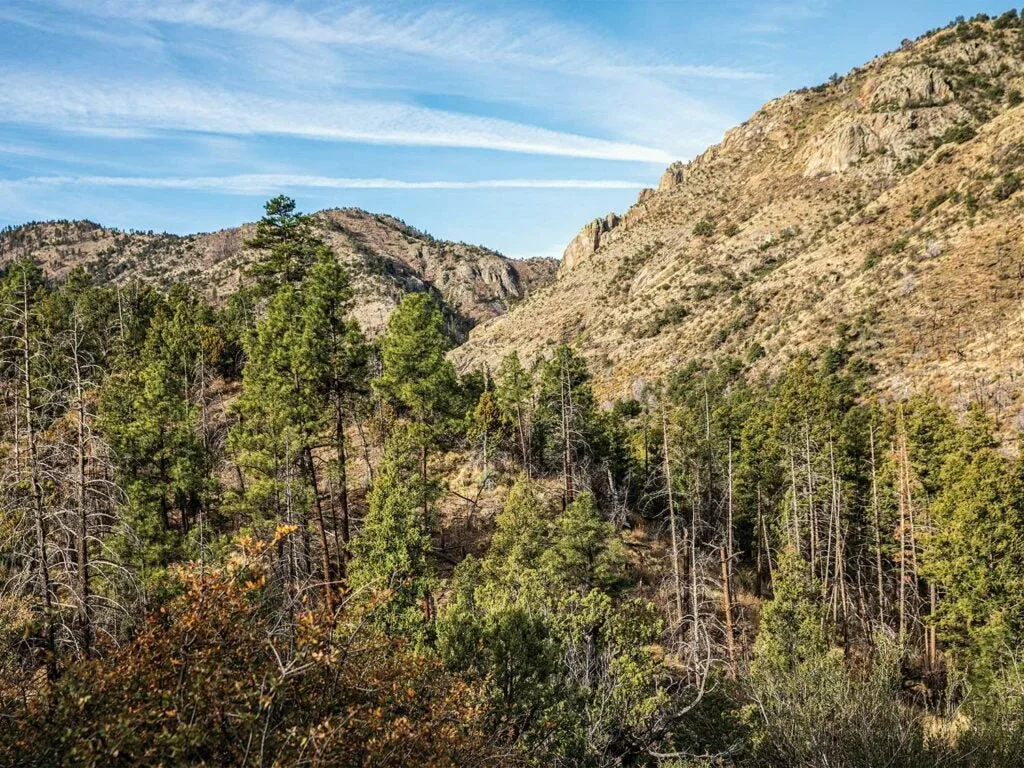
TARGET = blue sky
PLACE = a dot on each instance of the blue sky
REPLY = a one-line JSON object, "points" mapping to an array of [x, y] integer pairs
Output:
{"points": [[505, 124]]}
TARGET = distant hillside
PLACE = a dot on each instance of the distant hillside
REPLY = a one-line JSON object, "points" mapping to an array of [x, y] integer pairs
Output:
{"points": [[884, 207], [386, 258]]}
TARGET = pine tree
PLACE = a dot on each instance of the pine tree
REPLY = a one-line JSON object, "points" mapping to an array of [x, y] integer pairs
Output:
{"points": [[277, 416], [390, 555], [152, 413], [792, 623], [334, 358], [584, 554], [415, 374], [416, 378], [975, 554], [567, 660], [565, 416], [288, 245], [513, 393]]}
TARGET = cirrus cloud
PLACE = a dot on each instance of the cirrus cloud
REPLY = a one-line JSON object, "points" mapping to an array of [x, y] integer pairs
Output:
{"points": [[116, 106], [260, 184]]}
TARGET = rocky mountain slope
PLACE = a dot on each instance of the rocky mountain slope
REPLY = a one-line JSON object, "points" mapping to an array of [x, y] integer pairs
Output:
{"points": [[386, 258], [885, 207]]}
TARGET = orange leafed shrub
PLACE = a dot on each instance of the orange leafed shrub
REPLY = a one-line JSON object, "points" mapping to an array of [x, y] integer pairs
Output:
{"points": [[219, 677]]}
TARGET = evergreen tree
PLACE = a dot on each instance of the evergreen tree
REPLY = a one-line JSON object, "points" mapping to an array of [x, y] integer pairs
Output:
{"points": [[390, 555], [975, 553], [792, 630], [416, 378], [277, 416], [513, 392], [152, 414], [334, 357], [288, 244], [484, 423], [584, 553], [565, 418], [540, 618]]}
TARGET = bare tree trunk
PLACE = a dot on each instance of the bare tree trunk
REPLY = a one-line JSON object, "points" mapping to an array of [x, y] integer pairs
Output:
{"points": [[342, 459], [366, 450], [759, 570], [932, 645], [908, 542], [708, 446], [486, 432], [567, 468], [796, 510], [325, 550], [767, 543], [903, 535], [812, 520], [291, 564], [672, 518], [725, 556], [694, 522], [931, 641], [522, 439], [426, 496], [120, 316], [38, 520], [85, 615], [878, 530], [833, 555]]}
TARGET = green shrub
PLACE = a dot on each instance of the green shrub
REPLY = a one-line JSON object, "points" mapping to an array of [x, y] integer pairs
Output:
{"points": [[704, 228], [1009, 184], [956, 134], [1008, 19], [808, 709], [755, 353], [938, 200], [669, 315]]}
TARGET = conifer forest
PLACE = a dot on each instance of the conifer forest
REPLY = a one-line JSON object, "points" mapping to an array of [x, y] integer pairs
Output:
{"points": [[244, 533]]}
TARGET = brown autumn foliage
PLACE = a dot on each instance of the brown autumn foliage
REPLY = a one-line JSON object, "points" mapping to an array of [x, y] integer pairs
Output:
{"points": [[219, 677]]}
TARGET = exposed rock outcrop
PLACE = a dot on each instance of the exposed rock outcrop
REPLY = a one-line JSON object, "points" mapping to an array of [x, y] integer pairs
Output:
{"points": [[674, 176], [915, 86], [587, 241], [385, 257]]}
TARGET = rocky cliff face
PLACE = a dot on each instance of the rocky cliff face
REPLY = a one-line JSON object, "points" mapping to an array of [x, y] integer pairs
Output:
{"points": [[882, 207], [587, 241], [386, 259]]}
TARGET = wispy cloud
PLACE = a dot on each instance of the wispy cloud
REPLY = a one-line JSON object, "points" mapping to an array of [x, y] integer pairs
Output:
{"points": [[30, 150], [702, 71], [564, 71], [117, 107], [210, 100], [21, 154], [260, 184], [776, 18], [54, 24], [450, 33]]}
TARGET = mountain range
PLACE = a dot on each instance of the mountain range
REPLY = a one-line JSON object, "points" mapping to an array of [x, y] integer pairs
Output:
{"points": [[386, 258], [881, 211]]}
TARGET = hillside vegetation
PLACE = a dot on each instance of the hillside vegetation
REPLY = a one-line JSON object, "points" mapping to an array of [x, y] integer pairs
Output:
{"points": [[883, 207], [385, 257]]}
